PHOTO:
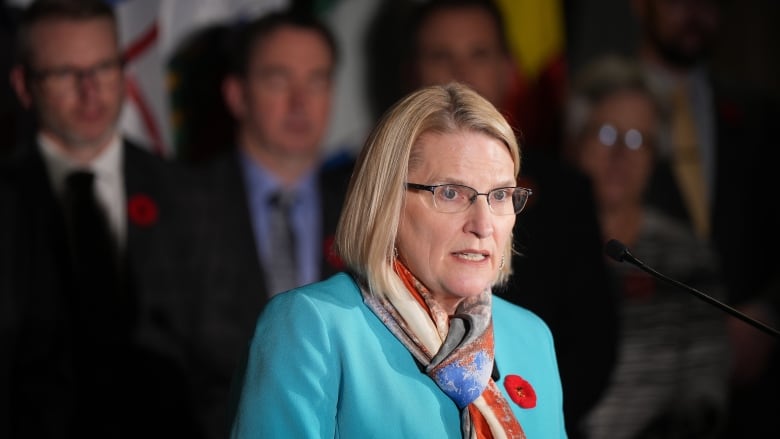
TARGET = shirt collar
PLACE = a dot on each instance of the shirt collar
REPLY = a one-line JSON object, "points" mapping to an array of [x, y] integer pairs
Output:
{"points": [[261, 183], [108, 164]]}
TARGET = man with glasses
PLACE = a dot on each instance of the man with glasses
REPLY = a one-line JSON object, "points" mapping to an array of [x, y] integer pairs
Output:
{"points": [[93, 282]]}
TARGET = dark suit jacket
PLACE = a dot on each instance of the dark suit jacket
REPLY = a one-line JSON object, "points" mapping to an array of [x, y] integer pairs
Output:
{"points": [[743, 212], [136, 387], [745, 234], [8, 315], [560, 275], [232, 290]]}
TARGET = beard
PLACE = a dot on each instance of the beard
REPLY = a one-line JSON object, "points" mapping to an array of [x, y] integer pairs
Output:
{"points": [[685, 47], [676, 52]]}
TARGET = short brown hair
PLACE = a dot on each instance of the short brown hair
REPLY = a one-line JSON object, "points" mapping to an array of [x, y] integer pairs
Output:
{"points": [[43, 10], [255, 32]]}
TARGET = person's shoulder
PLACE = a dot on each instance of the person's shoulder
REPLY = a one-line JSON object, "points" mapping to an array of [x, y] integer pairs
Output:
{"points": [[139, 162], [23, 158], [25, 170], [337, 282], [228, 158], [509, 315], [134, 151], [220, 170], [669, 231], [337, 294], [673, 246]]}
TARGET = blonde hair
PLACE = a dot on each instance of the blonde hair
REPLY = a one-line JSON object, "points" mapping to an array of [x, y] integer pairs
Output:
{"points": [[367, 230]]}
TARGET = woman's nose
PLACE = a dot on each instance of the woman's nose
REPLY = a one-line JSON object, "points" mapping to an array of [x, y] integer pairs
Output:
{"points": [[479, 218]]}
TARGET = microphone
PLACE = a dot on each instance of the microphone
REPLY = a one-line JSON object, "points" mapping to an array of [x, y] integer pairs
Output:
{"points": [[619, 252]]}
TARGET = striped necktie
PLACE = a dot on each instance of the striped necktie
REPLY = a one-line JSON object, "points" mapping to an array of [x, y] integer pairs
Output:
{"points": [[281, 268]]}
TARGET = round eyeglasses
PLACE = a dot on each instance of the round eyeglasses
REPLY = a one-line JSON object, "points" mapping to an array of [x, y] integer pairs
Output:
{"points": [[633, 139], [454, 198]]}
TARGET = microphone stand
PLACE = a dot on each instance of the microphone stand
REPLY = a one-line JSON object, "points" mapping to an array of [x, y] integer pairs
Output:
{"points": [[619, 252]]}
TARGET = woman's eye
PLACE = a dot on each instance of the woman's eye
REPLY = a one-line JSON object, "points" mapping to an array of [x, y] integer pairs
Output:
{"points": [[449, 193], [500, 195]]}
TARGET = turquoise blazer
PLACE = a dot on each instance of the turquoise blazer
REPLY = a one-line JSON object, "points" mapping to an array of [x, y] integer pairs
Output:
{"points": [[322, 365]]}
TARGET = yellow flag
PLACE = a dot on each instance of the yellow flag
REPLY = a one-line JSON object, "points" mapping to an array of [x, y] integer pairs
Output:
{"points": [[535, 29]]}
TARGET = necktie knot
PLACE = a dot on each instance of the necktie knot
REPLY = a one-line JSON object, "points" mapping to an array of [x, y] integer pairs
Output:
{"points": [[80, 182], [282, 200], [80, 197]]}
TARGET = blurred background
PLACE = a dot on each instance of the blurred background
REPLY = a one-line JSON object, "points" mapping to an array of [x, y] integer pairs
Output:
{"points": [[175, 52]]}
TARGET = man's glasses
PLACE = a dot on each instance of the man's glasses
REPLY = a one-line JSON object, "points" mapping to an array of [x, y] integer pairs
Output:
{"points": [[67, 79], [453, 198]]}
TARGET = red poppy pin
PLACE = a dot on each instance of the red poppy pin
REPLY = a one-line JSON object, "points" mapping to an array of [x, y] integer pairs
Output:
{"points": [[521, 391], [331, 256], [142, 210]]}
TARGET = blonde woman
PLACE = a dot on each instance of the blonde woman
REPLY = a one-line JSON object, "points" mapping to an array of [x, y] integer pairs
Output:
{"points": [[410, 341]]}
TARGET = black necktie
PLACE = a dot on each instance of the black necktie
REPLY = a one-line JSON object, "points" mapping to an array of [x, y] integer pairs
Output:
{"points": [[281, 268], [97, 301]]}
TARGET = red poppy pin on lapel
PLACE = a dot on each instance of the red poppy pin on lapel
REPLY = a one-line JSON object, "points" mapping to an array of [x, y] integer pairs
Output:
{"points": [[142, 210], [333, 258], [521, 391]]}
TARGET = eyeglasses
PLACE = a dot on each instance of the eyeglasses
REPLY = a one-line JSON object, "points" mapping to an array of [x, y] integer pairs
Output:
{"points": [[454, 198], [66, 79], [633, 139]]}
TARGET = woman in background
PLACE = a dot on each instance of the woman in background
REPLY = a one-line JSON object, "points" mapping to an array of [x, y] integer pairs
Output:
{"points": [[670, 378]]}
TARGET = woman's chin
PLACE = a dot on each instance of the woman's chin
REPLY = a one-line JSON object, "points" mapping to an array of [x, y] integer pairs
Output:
{"points": [[469, 288]]}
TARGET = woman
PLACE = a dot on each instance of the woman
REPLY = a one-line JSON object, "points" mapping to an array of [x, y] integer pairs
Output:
{"points": [[670, 377], [403, 345]]}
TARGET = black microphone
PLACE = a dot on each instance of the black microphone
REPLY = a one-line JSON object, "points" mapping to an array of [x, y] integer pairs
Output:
{"points": [[619, 252]]}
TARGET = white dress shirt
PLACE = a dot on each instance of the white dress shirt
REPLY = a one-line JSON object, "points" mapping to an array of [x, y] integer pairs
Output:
{"points": [[109, 180]]}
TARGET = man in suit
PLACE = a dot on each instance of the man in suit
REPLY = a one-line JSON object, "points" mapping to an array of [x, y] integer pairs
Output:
{"points": [[559, 272], [273, 204], [94, 344], [718, 174]]}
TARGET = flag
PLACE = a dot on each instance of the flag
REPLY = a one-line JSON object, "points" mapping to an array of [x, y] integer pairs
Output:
{"points": [[536, 33], [150, 31]]}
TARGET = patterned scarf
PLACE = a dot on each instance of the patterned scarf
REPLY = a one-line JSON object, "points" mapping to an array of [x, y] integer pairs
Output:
{"points": [[456, 352]]}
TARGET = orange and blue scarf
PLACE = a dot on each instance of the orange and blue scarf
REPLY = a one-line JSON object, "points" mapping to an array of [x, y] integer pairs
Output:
{"points": [[463, 364]]}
